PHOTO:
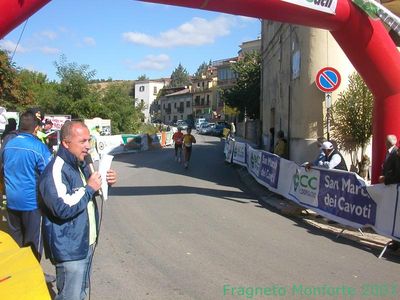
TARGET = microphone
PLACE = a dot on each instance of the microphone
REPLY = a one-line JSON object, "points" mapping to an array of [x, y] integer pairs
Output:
{"points": [[89, 162]]}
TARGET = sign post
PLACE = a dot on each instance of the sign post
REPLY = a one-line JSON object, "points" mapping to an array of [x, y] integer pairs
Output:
{"points": [[327, 80]]}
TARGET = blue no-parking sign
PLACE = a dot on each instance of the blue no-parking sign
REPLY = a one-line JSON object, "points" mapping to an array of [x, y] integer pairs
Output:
{"points": [[328, 79]]}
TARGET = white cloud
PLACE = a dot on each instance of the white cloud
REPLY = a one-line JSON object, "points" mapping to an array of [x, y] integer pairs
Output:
{"points": [[197, 32], [10, 46], [89, 41], [49, 50], [152, 62], [51, 35]]}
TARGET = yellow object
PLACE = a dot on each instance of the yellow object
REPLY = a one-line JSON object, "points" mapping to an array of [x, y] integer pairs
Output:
{"points": [[21, 276], [225, 132]]}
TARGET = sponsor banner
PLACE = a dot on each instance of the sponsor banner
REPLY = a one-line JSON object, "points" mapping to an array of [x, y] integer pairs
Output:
{"points": [[109, 144], [168, 138], [58, 120], [254, 161], [229, 150], [270, 166], [377, 10], [396, 221], [154, 141], [337, 195], [327, 6], [343, 195], [135, 142], [305, 186], [239, 153], [388, 210]]}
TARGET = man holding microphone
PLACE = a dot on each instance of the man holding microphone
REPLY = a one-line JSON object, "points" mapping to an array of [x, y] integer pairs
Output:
{"points": [[68, 188]]}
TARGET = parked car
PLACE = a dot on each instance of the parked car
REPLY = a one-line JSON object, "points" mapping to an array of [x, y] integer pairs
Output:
{"points": [[198, 122], [206, 128], [218, 130], [183, 125]]}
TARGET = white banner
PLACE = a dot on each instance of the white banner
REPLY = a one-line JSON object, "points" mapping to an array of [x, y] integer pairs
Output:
{"points": [[338, 195], [239, 153], [327, 6]]}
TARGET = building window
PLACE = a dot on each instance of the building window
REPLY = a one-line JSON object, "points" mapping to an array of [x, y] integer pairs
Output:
{"points": [[155, 90], [187, 103], [141, 88], [175, 105]]}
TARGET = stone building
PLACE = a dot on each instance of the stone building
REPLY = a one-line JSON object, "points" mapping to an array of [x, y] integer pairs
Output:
{"points": [[290, 100]]}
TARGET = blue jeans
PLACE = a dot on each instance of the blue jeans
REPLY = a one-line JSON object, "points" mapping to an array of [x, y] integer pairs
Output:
{"points": [[73, 278]]}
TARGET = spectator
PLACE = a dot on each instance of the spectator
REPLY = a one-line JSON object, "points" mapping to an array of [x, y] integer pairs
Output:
{"points": [[233, 130], [363, 166], [320, 156], [25, 158], [45, 132], [391, 173], [333, 158], [11, 128], [388, 166], [9, 133], [271, 139], [281, 147]]}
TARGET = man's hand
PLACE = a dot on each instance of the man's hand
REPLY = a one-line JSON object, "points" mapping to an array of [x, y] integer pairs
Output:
{"points": [[307, 166], [381, 179], [111, 177], [94, 181]]}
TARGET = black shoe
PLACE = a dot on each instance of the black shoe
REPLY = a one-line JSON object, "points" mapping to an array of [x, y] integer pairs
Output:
{"points": [[393, 246], [49, 278]]}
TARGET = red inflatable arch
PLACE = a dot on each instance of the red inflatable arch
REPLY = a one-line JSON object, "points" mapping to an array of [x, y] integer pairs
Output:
{"points": [[365, 42]]}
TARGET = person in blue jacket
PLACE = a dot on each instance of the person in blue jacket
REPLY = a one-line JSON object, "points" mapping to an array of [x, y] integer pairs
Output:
{"points": [[68, 188], [24, 159]]}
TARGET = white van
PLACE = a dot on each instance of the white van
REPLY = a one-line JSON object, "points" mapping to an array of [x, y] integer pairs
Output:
{"points": [[198, 122]]}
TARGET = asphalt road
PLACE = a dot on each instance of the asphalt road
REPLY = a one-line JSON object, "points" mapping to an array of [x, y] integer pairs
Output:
{"points": [[168, 233]]}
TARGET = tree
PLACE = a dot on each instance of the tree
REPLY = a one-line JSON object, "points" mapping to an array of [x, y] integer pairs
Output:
{"points": [[245, 94], [142, 77], [179, 77], [13, 95], [44, 93], [202, 69], [74, 78], [352, 116], [120, 108]]}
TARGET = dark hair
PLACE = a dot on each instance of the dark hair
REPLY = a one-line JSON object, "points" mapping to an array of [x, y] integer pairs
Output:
{"points": [[28, 122], [48, 121], [12, 124], [37, 112]]}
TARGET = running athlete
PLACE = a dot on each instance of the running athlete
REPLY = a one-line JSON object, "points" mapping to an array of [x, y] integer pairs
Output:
{"points": [[178, 138], [188, 140]]}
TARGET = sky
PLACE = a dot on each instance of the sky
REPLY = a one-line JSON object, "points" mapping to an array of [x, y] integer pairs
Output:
{"points": [[123, 39]]}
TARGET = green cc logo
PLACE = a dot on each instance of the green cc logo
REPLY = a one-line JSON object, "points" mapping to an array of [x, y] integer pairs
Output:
{"points": [[304, 181]]}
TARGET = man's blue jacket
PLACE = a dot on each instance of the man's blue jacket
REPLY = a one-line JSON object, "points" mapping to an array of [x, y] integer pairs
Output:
{"points": [[24, 159], [65, 199]]}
